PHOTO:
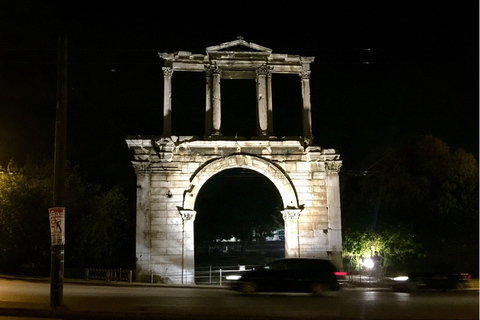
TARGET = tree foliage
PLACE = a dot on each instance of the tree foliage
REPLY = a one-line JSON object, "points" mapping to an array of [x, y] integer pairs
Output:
{"points": [[390, 247], [98, 226], [25, 195], [427, 190]]}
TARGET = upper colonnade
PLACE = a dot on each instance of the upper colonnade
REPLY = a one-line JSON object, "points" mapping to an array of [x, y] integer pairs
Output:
{"points": [[238, 60]]}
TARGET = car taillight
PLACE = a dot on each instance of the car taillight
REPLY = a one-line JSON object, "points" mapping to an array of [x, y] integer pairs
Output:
{"points": [[465, 276], [340, 273]]}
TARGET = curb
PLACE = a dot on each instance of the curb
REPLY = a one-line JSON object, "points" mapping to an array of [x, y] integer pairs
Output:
{"points": [[349, 286]]}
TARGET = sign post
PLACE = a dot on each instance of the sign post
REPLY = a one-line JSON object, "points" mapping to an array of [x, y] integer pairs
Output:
{"points": [[57, 230], [57, 213]]}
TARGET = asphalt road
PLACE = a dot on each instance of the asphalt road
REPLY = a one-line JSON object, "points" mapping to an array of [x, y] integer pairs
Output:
{"points": [[19, 298]]}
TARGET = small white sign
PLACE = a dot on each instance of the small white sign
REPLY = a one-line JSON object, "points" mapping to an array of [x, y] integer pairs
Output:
{"points": [[57, 225]]}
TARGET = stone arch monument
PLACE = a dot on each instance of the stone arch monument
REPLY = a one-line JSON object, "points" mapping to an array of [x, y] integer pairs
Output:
{"points": [[171, 170]]}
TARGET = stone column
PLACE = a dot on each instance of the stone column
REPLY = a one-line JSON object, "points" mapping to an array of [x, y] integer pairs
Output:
{"points": [[306, 112], [167, 101], [208, 101], [143, 223], [269, 104], [262, 100], [216, 102], [188, 246], [332, 182], [292, 235]]}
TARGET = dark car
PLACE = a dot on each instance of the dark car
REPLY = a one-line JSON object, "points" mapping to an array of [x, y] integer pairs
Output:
{"points": [[435, 280], [290, 275]]}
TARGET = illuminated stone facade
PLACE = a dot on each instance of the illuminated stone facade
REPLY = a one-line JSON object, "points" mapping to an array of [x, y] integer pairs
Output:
{"points": [[171, 170]]}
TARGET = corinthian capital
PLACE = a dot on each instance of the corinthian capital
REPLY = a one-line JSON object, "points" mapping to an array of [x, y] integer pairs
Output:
{"points": [[167, 72], [333, 166], [291, 214], [305, 74], [187, 215], [142, 167], [211, 69], [264, 70]]}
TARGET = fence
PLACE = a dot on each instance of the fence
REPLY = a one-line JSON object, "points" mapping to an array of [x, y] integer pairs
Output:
{"points": [[218, 275], [125, 275], [209, 275]]}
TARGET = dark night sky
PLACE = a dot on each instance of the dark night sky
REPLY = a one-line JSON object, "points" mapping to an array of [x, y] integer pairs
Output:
{"points": [[384, 71]]}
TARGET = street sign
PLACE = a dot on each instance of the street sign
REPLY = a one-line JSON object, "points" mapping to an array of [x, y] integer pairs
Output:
{"points": [[57, 225]]}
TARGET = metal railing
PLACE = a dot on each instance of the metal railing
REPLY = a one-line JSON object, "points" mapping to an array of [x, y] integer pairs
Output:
{"points": [[125, 275], [217, 275], [209, 275]]}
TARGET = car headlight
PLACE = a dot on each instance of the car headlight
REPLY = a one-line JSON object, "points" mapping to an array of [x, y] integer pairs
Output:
{"points": [[400, 278], [233, 277]]}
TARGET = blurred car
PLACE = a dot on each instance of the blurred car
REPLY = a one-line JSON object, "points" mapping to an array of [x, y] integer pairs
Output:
{"points": [[436, 280], [290, 275]]}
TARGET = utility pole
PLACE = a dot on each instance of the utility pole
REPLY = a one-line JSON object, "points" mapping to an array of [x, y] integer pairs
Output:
{"points": [[57, 225]]}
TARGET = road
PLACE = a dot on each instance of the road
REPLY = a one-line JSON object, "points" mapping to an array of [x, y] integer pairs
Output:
{"points": [[19, 298]]}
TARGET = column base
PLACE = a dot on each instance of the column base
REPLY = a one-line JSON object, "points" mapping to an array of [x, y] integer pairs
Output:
{"points": [[214, 136], [265, 137]]}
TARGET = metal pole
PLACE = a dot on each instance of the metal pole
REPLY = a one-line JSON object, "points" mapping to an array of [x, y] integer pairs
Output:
{"points": [[57, 250]]}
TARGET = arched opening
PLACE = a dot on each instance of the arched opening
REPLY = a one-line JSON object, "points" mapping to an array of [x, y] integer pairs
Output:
{"points": [[238, 220], [276, 175]]}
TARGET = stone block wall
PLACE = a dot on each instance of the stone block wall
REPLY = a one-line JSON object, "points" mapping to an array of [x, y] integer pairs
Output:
{"points": [[171, 171]]}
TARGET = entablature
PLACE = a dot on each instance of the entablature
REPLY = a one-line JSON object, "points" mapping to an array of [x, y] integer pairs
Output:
{"points": [[252, 57], [164, 149]]}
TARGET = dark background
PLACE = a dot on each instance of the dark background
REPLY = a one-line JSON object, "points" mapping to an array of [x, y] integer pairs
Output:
{"points": [[384, 72]]}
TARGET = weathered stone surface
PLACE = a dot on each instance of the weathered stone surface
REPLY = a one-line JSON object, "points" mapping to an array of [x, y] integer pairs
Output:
{"points": [[171, 170]]}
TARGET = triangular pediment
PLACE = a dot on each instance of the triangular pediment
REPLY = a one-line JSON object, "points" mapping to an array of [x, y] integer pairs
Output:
{"points": [[239, 45]]}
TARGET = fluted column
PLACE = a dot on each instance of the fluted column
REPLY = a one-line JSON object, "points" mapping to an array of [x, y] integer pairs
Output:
{"points": [[143, 221], [262, 100], [306, 112], [208, 101], [332, 183], [269, 104], [216, 101], [292, 232], [167, 101], [188, 247]]}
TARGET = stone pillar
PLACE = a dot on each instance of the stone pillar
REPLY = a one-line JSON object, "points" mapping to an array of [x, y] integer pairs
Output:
{"points": [[188, 246], [167, 101], [269, 104], [292, 235], [262, 100], [216, 102], [143, 223], [208, 101], [306, 112], [332, 182]]}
